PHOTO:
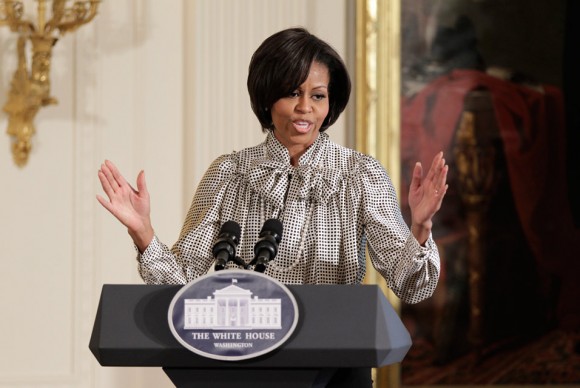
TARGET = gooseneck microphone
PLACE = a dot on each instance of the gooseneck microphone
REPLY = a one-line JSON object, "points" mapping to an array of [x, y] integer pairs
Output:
{"points": [[266, 247], [224, 249]]}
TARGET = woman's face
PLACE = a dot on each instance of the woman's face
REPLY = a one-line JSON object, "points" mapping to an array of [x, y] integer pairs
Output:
{"points": [[298, 117]]}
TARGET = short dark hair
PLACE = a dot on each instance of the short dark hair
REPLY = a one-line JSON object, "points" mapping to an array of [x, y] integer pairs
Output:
{"points": [[282, 63]]}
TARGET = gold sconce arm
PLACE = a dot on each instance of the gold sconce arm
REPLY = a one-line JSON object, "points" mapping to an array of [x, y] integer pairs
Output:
{"points": [[69, 19], [11, 13], [30, 89]]}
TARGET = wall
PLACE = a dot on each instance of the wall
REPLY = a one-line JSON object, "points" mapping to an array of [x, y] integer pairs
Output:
{"points": [[150, 85]]}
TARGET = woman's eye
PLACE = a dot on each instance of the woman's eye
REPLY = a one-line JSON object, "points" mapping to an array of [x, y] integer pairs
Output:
{"points": [[318, 97], [294, 94]]}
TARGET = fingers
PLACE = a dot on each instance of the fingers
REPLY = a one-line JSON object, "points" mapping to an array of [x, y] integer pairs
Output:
{"points": [[435, 164], [107, 178], [428, 198], [441, 177], [442, 180], [111, 178], [106, 204], [141, 184], [105, 183], [116, 186], [438, 173], [119, 179], [417, 175]]}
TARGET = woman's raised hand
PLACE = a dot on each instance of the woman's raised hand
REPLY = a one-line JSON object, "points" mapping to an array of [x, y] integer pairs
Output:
{"points": [[426, 195], [131, 207]]}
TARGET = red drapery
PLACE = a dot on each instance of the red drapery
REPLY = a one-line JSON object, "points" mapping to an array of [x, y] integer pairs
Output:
{"points": [[533, 132]]}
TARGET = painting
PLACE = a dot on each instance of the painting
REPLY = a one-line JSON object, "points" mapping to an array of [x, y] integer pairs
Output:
{"points": [[493, 84], [483, 81]]}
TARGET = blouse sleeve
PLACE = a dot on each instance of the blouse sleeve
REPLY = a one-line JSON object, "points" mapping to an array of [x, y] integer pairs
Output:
{"points": [[191, 255], [410, 270]]}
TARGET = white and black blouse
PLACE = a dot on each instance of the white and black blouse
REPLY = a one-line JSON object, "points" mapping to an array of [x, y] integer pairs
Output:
{"points": [[333, 205]]}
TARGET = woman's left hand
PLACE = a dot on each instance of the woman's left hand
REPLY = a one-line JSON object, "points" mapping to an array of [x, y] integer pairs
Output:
{"points": [[426, 195]]}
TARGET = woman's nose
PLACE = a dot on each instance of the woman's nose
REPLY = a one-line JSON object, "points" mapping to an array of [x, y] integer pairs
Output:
{"points": [[304, 105]]}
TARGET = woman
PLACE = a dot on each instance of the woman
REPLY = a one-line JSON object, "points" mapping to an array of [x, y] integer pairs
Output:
{"points": [[333, 201]]}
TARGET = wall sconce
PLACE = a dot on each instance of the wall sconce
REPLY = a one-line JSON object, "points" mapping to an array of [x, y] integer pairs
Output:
{"points": [[30, 89]]}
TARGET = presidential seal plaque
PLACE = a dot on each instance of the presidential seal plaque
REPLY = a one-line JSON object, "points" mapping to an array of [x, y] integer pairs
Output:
{"points": [[233, 315]]}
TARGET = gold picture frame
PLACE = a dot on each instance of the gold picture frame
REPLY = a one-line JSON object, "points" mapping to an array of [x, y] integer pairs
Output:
{"points": [[377, 81]]}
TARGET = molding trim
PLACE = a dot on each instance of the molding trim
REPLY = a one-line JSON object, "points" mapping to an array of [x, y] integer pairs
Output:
{"points": [[378, 114]]}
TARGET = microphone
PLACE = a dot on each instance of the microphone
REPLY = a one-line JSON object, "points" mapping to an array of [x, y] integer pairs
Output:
{"points": [[266, 247], [224, 249]]}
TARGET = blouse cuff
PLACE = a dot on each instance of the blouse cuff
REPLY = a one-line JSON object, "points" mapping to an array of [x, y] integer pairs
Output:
{"points": [[153, 247], [423, 251]]}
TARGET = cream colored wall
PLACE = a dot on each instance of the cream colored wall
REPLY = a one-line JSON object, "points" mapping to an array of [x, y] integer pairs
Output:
{"points": [[153, 85]]}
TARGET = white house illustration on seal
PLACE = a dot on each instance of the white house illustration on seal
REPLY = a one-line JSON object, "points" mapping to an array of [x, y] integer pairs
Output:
{"points": [[232, 308]]}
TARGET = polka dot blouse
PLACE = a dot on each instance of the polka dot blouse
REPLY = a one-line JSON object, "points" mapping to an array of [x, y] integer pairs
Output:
{"points": [[333, 206]]}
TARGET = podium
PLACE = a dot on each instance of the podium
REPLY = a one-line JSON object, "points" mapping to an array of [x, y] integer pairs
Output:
{"points": [[339, 326]]}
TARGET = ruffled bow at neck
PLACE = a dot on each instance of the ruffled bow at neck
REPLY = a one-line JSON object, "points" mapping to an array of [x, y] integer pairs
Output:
{"points": [[269, 178]]}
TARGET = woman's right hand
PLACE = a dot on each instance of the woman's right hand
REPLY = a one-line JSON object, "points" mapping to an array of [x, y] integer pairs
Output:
{"points": [[131, 207]]}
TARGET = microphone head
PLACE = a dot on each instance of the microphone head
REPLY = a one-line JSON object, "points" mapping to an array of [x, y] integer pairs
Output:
{"points": [[274, 227], [233, 229], [224, 249]]}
